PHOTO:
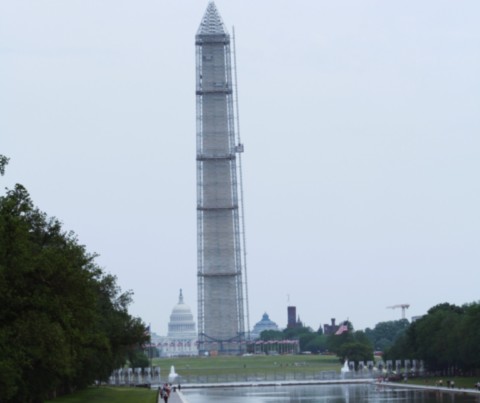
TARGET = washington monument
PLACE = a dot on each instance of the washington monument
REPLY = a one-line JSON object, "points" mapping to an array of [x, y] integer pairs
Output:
{"points": [[222, 288]]}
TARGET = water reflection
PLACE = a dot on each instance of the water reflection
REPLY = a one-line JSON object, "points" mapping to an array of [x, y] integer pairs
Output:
{"points": [[323, 393]]}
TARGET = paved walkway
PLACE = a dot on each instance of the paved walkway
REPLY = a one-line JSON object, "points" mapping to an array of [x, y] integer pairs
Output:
{"points": [[175, 397], [429, 387]]}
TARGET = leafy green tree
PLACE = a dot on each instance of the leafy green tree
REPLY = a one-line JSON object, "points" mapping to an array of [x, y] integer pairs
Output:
{"points": [[402, 347], [355, 351], [334, 341], [436, 336], [294, 333], [447, 339], [305, 339], [384, 334], [3, 163], [317, 344], [138, 359], [268, 335], [351, 344], [64, 322], [469, 333]]}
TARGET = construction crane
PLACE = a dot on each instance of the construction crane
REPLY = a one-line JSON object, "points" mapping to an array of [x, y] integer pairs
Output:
{"points": [[403, 306]]}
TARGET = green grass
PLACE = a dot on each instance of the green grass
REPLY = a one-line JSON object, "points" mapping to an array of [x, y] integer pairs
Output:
{"points": [[217, 366], [460, 382], [110, 395], [211, 366], [234, 365]]}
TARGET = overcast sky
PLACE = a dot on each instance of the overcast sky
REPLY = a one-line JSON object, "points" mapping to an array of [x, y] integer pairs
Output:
{"points": [[361, 125]]}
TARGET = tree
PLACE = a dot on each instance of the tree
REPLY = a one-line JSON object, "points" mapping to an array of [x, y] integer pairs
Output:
{"points": [[295, 332], [305, 340], [334, 341], [268, 335], [384, 334], [434, 337], [3, 163], [469, 332], [355, 351], [447, 339], [64, 322], [138, 359], [351, 344], [317, 344]]}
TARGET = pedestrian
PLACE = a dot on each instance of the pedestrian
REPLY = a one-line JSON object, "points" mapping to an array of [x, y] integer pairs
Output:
{"points": [[166, 393]]}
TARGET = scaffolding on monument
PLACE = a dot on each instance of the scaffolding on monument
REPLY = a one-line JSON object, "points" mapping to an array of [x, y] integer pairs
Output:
{"points": [[217, 123]]}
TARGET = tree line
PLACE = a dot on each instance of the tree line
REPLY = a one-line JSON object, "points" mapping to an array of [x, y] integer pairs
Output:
{"points": [[350, 344], [447, 339], [354, 345], [64, 322]]}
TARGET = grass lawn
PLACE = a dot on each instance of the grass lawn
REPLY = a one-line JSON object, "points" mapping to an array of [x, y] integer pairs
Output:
{"points": [[460, 382], [245, 365], [110, 395]]}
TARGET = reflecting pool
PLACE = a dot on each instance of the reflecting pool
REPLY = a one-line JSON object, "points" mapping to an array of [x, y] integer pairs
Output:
{"points": [[322, 393]]}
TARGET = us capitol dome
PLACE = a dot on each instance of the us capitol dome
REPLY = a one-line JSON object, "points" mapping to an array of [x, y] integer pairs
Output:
{"points": [[182, 334]]}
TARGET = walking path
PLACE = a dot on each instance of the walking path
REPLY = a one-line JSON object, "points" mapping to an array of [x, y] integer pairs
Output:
{"points": [[175, 397], [428, 387]]}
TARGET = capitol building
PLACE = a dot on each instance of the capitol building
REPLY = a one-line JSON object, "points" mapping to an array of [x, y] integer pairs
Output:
{"points": [[182, 334]]}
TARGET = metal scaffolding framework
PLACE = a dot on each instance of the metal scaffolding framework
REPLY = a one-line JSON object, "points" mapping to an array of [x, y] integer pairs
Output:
{"points": [[222, 285]]}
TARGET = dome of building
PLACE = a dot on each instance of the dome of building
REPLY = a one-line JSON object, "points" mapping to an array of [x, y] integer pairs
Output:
{"points": [[181, 325], [264, 324]]}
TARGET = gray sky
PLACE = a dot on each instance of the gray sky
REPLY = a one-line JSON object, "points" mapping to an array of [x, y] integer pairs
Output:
{"points": [[361, 126]]}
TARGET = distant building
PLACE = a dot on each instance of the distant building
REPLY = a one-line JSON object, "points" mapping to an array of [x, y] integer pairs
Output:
{"points": [[182, 334], [293, 321], [330, 329], [264, 324], [291, 316]]}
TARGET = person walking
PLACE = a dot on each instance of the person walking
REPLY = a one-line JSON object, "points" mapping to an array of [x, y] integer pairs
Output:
{"points": [[166, 392]]}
